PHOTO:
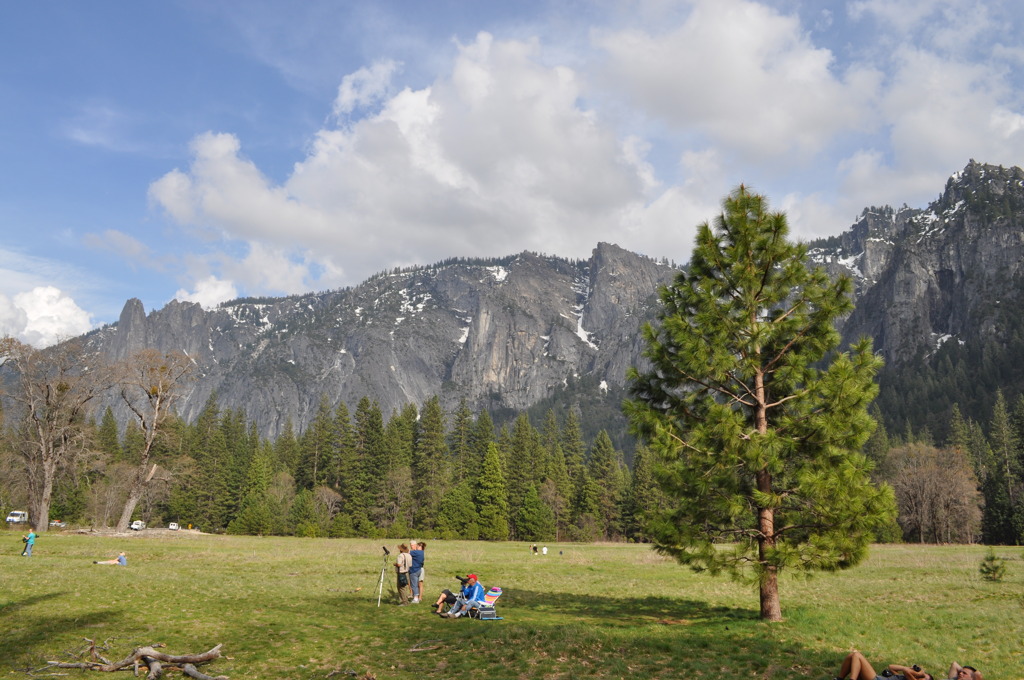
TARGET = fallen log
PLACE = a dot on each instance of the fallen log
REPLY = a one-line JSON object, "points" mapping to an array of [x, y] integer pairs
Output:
{"points": [[155, 662]]}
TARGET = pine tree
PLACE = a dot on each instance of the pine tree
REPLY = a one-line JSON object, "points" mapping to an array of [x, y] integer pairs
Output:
{"points": [[573, 447], [481, 438], [491, 498], [642, 498], [304, 518], [456, 517], [755, 441], [342, 476], [400, 436], [999, 488], [460, 442], [107, 438], [371, 457], [318, 448], [134, 442], [605, 469], [258, 515], [286, 448], [534, 519], [430, 464], [523, 463], [240, 452]]}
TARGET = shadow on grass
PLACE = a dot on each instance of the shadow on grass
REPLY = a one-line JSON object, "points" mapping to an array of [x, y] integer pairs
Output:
{"points": [[29, 640], [615, 610], [554, 635]]}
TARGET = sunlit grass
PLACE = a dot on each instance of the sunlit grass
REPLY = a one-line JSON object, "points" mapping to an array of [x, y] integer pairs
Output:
{"points": [[304, 608]]}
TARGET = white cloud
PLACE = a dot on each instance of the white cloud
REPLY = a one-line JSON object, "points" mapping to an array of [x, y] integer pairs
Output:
{"points": [[744, 75], [365, 87], [509, 148], [497, 157], [42, 316], [939, 112], [209, 292]]}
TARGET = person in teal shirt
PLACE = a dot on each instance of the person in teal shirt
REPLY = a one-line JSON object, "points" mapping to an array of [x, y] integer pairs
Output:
{"points": [[30, 540]]}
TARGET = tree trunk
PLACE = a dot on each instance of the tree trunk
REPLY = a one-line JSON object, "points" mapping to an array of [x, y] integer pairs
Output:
{"points": [[39, 516], [134, 496], [771, 610]]}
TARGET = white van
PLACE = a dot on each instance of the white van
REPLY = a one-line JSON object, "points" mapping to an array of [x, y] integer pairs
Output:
{"points": [[17, 517], [138, 525]]}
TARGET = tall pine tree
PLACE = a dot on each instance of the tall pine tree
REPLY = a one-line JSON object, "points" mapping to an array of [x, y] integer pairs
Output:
{"points": [[759, 447]]}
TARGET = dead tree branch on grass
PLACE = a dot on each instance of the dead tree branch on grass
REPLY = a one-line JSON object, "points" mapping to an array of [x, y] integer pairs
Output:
{"points": [[155, 662]]}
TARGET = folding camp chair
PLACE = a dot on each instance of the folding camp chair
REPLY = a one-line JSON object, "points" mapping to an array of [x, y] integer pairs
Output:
{"points": [[486, 611]]}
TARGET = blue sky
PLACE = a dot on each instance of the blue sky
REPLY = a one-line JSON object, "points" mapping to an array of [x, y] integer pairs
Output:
{"points": [[210, 150]]}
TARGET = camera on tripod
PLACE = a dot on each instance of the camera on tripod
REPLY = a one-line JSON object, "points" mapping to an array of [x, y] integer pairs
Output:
{"points": [[463, 579]]}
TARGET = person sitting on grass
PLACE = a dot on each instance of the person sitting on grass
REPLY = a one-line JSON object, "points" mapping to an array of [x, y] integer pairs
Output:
{"points": [[472, 596], [958, 672], [856, 667], [120, 560]]}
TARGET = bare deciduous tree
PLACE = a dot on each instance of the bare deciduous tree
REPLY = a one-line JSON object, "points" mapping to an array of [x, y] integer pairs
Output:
{"points": [[150, 383], [937, 494], [53, 391]]}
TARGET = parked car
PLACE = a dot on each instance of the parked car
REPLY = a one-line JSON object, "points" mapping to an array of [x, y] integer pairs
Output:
{"points": [[17, 517], [173, 526], [138, 525], [60, 524]]}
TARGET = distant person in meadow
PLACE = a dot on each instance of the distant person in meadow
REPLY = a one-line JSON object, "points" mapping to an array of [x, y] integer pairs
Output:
{"points": [[121, 560], [416, 554], [856, 667], [402, 564], [29, 540], [958, 672]]}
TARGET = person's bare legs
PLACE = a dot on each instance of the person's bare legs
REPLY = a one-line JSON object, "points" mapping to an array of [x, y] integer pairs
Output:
{"points": [[857, 667]]}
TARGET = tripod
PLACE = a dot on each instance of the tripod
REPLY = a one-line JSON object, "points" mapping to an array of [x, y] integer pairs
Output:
{"points": [[380, 581]]}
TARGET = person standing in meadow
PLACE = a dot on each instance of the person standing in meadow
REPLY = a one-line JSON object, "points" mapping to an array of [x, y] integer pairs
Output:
{"points": [[29, 540], [423, 569], [402, 564], [416, 554]]}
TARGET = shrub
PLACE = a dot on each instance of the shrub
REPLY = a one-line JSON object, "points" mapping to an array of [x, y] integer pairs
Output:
{"points": [[992, 568]]}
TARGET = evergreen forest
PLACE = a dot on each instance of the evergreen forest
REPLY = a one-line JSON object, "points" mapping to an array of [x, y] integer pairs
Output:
{"points": [[354, 473]]}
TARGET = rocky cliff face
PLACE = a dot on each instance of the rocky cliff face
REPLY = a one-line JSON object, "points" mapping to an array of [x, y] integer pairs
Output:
{"points": [[925, 277], [509, 332], [501, 333]]}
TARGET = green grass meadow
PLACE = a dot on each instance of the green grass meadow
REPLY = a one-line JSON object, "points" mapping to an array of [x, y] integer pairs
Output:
{"points": [[307, 608]]}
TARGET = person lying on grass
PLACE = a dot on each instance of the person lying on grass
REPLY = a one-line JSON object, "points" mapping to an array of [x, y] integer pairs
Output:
{"points": [[958, 672], [120, 560], [856, 667]]}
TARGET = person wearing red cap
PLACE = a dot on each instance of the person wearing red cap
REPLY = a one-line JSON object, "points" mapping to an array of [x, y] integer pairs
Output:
{"points": [[451, 598], [472, 596]]}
